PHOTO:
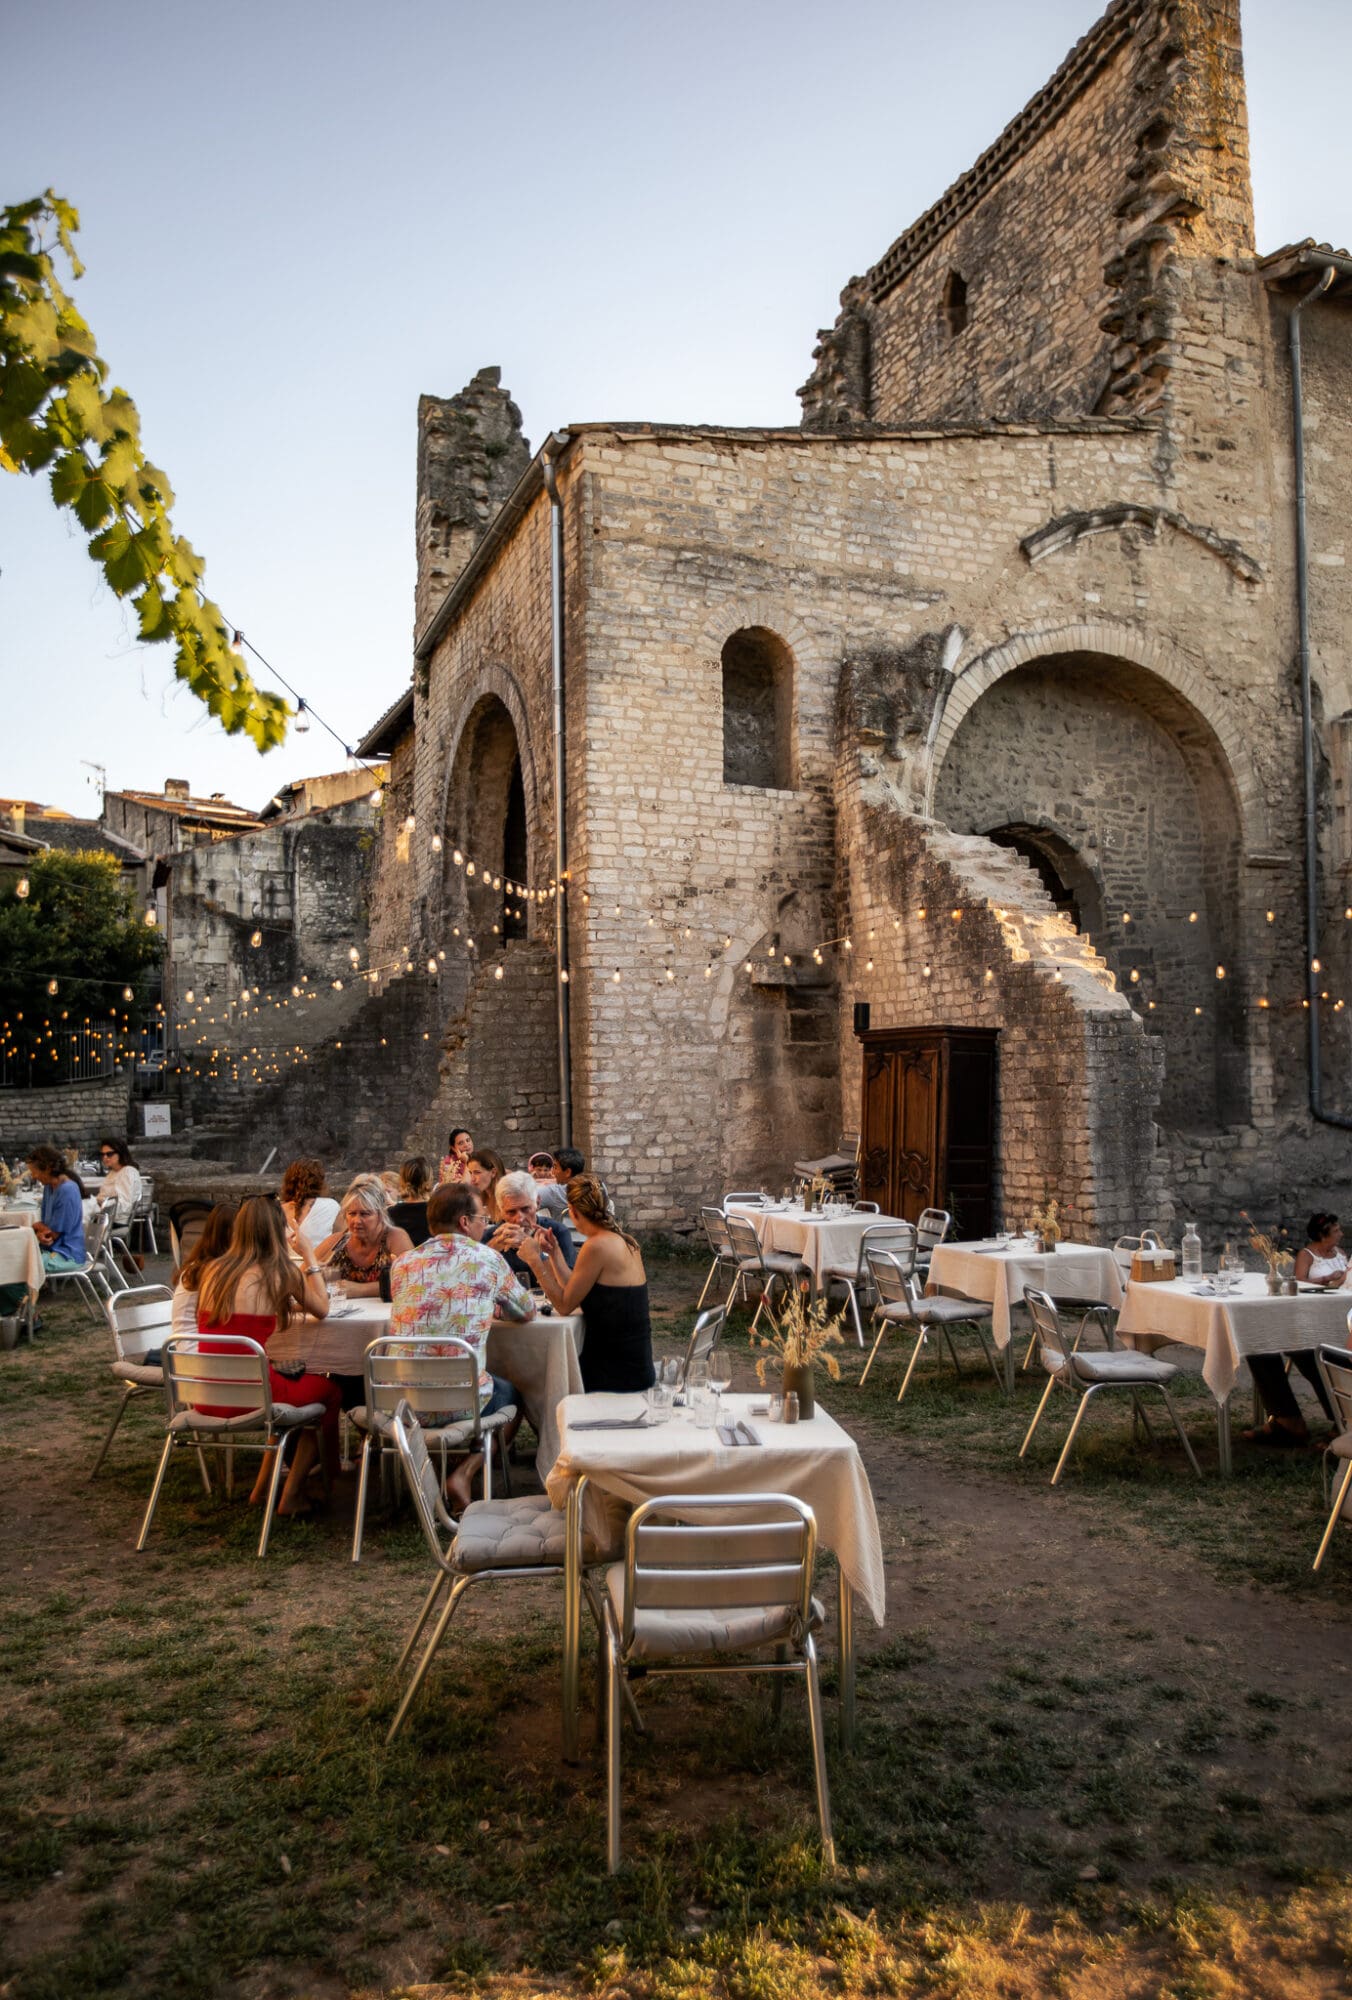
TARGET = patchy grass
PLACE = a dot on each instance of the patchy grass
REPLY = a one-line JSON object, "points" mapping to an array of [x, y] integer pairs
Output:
{"points": [[1090, 1756]]}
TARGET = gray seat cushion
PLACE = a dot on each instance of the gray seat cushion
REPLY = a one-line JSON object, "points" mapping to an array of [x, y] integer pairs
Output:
{"points": [[668, 1635], [1120, 1367], [286, 1416], [460, 1431], [782, 1261], [1077, 1308], [146, 1373], [1341, 1446], [943, 1307], [514, 1534]]}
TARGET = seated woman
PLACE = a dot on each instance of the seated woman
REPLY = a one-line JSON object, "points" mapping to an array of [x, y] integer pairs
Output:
{"points": [[486, 1169], [361, 1250], [409, 1210], [455, 1162], [60, 1230], [121, 1181], [1321, 1262], [254, 1289], [213, 1242], [608, 1286], [306, 1204]]}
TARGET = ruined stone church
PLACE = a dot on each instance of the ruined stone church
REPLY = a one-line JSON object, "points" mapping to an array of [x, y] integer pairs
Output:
{"points": [[937, 767]]}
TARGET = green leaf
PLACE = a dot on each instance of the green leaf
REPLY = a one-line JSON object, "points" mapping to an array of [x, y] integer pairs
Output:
{"points": [[153, 616]]}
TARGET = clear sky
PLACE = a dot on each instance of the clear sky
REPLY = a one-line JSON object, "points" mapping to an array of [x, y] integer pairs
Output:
{"points": [[297, 218]]}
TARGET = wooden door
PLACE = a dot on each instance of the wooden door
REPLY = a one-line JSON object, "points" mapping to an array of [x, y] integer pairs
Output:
{"points": [[900, 1124]]}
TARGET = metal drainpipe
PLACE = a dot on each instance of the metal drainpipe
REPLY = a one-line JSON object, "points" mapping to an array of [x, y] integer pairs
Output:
{"points": [[553, 450], [1316, 1082]]}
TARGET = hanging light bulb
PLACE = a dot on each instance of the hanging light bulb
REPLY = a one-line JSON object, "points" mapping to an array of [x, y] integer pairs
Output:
{"points": [[469, 867], [353, 954], [563, 979], [256, 939], [150, 920], [377, 795], [188, 996], [52, 986], [432, 967], [458, 858], [615, 976], [410, 823], [670, 974], [302, 722], [127, 993], [436, 843], [497, 972], [21, 888]]}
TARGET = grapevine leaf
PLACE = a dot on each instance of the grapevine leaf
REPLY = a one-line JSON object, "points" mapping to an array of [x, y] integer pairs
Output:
{"points": [[152, 615]]}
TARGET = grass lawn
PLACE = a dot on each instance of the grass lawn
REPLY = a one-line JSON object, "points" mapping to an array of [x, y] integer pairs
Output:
{"points": [[1101, 1736]]}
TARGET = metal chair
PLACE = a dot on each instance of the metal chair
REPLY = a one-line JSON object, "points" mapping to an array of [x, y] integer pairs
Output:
{"points": [[901, 1303], [706, 1576], [187, 1220], [720, 1246], [219, 1393], [435, 1378], [768, 1267], [1086, 1374], [704, 1338], [505, 1540], [91, 1279], [757, 1200], [132, 1236], [1335, 1366], [930, 1231], [141, 1321], [898, 1238]]}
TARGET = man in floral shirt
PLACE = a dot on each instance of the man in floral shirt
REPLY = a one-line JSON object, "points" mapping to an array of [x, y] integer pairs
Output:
{"points": [[454, 1284]]}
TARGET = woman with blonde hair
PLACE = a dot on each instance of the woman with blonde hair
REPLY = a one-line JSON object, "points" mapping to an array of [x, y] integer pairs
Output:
{"points": [[254, 1289], [366, 1243], [608, 1286]]}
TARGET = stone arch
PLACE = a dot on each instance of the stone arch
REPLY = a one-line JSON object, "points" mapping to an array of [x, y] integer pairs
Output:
{"points": [[491, 814], [1102, 772], [1123, 643]]}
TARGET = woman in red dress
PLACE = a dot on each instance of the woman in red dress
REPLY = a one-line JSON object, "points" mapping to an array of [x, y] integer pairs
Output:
{"points": [[253, 1290]]}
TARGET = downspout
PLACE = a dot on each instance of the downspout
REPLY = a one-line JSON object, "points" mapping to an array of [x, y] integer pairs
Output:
{"points": [[1313, 1060], [553, 450]]}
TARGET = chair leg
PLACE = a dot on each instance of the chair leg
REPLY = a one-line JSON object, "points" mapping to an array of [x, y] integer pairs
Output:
{"points": [[613, 1675], [363, 1480], [1138, 1410], [777, 1688], [155, 1493], [713, 1273], [996, 1370], [882, 1329], [854, 1309], [947, 1332], [1075, 1425], [127, 1394], [1037, 1414], [1338, 1499], [920, 1340], [814, 1709], [504, 1459], [458, 1589], [422, 1618], [1182, 1434], [274, 1488], [206, 1476]]}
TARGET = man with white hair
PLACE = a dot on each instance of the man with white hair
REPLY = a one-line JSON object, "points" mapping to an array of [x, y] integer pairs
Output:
{"points": [[518, 1205]]}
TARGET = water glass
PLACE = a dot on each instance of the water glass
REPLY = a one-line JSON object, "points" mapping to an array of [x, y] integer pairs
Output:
{"points": [[704, 1407], [660, 1397], [776, 1411]]}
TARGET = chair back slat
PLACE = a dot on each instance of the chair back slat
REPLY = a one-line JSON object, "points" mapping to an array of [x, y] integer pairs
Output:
{"points": [[898, 1239], [890, 1278], [707, 1332], [1335, 1365], [744, 1240], [421, 1479], [1052, 1344], [719, 1551], [756, 1200], [932, 1228], [230, 1374], [716, 1230], [430, 1373], [140, 1320]]}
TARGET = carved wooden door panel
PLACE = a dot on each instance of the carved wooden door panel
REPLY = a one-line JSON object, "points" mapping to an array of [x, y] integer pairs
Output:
{"points": [[916, 1130], [875, 1129]]}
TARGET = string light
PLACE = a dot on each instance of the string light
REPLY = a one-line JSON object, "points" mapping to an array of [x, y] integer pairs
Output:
{"points": [[21, 889]]}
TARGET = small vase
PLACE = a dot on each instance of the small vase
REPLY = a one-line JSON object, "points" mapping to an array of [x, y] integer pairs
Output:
{"points": [[1274, 1284], [799, 1381]]}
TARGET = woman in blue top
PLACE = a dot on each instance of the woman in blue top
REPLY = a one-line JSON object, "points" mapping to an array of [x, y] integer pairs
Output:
{"points": [[61, 1230]]}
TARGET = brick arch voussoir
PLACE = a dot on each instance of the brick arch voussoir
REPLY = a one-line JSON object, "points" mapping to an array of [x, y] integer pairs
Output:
{"points": [[770, 612], [499, 681], [1120, 642]]}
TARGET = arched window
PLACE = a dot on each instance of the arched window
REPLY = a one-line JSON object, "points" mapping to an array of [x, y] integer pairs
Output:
{"points": [[955, 304], [758, 710]]}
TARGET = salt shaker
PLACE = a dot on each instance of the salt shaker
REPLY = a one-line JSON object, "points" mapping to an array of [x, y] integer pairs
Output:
{"points": [[791, 1407]]}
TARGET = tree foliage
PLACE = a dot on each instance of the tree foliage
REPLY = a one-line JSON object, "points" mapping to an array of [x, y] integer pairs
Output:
{"points": [[57, 416], [79, 925]]}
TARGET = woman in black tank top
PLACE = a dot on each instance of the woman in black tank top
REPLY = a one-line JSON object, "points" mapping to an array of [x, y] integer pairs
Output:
{"points": [[608, 1286]]}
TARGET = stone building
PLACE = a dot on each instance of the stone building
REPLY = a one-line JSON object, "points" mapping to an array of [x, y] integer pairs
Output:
{"points": [[976, 699]]}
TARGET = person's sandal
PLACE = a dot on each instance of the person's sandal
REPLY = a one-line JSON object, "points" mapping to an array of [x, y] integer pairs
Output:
{"points": [[1277, 1437]]}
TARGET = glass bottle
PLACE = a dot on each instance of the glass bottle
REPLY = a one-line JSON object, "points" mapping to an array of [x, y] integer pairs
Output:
{"points": [[1192, 1252]]}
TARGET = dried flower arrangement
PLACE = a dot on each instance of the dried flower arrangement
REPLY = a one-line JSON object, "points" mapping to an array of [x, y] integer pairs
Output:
{"points": [[1272, 1249], [802, 1336]]}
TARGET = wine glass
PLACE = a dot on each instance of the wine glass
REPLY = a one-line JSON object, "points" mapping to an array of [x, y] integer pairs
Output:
{"points": [[719, 1373]]}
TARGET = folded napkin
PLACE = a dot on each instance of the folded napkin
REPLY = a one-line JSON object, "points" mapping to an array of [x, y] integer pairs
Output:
{"points": [[639, 1423]]}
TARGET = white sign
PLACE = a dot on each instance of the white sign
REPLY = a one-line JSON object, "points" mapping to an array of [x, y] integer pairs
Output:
{"points": [[156, 1121]]}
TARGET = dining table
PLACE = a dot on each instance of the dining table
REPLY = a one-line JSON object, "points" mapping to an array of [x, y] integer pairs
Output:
{"points": [[823, 1239], [539, 1357], [998, 1272], [602, 1473], [21, 1263], [1229, 1326]]}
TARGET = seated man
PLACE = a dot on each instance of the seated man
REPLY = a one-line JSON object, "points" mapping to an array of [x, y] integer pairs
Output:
{"points": [[455, 1284], [518, 1199]]}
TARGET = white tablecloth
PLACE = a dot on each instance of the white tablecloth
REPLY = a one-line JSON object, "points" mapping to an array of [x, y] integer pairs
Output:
{"points": [[822, 1240], [980, 1271], [1249, 1321], [540, 1357], [19, 1214], [816, 1461], [21, 1260]]}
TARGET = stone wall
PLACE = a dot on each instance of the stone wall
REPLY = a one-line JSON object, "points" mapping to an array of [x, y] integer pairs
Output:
{"points": [[72, 1114]]}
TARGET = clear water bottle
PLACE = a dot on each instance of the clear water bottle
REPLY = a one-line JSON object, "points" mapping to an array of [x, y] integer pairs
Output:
{"points": [[1192, 1252]]}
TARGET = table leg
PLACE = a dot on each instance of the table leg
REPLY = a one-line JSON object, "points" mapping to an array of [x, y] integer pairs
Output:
{"points": [[572, 1619], [1223, 1437], [846, 1602]]}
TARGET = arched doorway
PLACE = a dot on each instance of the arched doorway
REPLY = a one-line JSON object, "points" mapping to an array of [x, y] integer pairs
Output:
{"points": [[1118, 793], [488, 824]]}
